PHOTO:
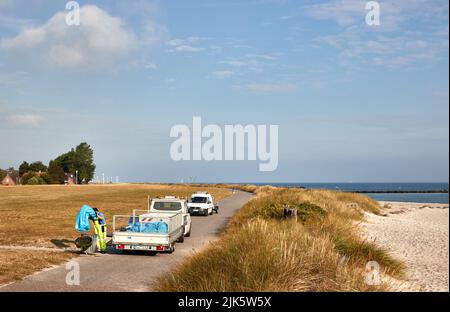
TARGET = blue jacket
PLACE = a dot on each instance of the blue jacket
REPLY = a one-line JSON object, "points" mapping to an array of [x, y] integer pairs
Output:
{"points": [[82, 219]]}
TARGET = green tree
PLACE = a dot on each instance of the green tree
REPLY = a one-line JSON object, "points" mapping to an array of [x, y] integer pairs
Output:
{"points": [[2, 174], [24, 168], [38, 166], [27, 176], [55, 173], [35, 181], [81, 159], [84, 162], [65, 161]]}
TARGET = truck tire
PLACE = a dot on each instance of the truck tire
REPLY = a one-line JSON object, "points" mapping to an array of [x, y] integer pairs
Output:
{"points": [[172, 249], [206, 213], [181, 239], [188, 234]]}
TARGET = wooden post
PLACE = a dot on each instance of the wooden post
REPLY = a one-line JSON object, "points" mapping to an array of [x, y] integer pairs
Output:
{"points": [[289, 213]]}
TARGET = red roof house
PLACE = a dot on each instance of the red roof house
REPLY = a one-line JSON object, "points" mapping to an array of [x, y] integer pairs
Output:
{"points": [[8, 181]]}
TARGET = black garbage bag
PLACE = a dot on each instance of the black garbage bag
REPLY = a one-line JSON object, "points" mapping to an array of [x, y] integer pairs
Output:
{"points": [[84, 242]]}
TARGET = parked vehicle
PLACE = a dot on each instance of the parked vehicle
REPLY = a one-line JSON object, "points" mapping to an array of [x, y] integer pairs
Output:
{"points": [[202, 203], [157, 229]]}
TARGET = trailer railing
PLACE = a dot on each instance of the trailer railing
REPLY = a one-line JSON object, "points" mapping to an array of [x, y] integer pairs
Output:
{"points": [[151, 223]]}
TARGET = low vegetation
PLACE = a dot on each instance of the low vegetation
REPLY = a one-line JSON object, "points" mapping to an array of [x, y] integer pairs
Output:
{"points": [[320, 250]]}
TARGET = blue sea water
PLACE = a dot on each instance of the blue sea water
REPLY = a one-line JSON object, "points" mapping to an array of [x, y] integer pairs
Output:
{"points": [[404, 188]]}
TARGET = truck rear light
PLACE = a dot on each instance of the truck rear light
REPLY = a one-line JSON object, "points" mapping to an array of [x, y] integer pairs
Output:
{"points": [[160, 248], [120, 246]]}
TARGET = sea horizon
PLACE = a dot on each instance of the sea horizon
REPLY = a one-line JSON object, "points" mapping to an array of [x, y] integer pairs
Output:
{"points": [[415, 192]]}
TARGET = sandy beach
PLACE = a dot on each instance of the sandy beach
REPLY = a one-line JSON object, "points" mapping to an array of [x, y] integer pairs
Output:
{"points": [[417, 234]]}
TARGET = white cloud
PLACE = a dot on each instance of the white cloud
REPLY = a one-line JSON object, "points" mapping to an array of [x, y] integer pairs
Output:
{"points": [[235, 63], [411, 32], [186, 45], [150, 66], [266, 57], [252, 63], [343, 12], [188, 40], [170, 80], [392, 13], [27, 120], [223, 74], [397, 50], [187, 48], [286, 17], [176, 42], [153, 34], [270, 87], [28, 38], [100, 39]]}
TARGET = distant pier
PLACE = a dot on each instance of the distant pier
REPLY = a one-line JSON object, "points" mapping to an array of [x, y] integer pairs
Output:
{"points": [[401, 192]]}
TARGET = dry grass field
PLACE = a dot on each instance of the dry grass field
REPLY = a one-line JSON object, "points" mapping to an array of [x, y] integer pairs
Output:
{"points": [[16, 264], [44, 216]]}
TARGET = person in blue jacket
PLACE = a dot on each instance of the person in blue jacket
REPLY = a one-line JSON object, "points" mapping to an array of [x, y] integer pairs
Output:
{"points": [[87, 213]]}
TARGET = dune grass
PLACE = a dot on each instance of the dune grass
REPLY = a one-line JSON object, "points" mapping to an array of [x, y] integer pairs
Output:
{"points": [[319, 251]]}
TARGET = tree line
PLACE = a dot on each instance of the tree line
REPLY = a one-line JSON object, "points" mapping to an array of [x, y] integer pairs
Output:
{"points": [[77, 164]]}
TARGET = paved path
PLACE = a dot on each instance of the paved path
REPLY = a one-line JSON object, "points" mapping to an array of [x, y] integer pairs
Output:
{"points": [[137, 271]]}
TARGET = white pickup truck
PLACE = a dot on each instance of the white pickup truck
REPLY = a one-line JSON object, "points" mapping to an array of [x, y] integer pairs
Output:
{"points": [[157, 229], [202, 203]]}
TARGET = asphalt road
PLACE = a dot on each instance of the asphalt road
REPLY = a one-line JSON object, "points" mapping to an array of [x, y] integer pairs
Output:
{"points": [[115, 271]]}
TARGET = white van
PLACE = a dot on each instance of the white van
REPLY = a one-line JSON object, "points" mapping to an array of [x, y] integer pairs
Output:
{"points": [[202, 203]]}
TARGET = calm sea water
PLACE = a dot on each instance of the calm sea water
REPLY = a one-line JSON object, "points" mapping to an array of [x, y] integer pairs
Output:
{"points": [[442, 198]]}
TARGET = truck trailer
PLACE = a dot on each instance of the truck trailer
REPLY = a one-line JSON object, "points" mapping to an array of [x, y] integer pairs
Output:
{"points": [[155, 230]]}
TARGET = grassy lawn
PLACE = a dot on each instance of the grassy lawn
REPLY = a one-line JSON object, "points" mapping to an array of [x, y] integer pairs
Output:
{"points": [[44, 216]]}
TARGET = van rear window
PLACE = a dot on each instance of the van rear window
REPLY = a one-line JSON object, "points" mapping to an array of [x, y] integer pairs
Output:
{"points": [[199, 200], [167, 206]]}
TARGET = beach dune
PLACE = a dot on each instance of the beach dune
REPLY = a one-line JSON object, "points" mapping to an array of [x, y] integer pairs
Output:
{"points": [[417, 234]]}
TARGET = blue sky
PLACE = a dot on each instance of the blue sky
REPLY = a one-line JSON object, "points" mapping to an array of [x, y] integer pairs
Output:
{"points": [[353, 102]]}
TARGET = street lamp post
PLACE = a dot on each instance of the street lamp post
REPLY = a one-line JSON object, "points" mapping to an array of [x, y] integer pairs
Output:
{"points": [[76, 176]]}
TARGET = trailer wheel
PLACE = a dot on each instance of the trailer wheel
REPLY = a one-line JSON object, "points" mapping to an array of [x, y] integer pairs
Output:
{"points": [[181, 238]]}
